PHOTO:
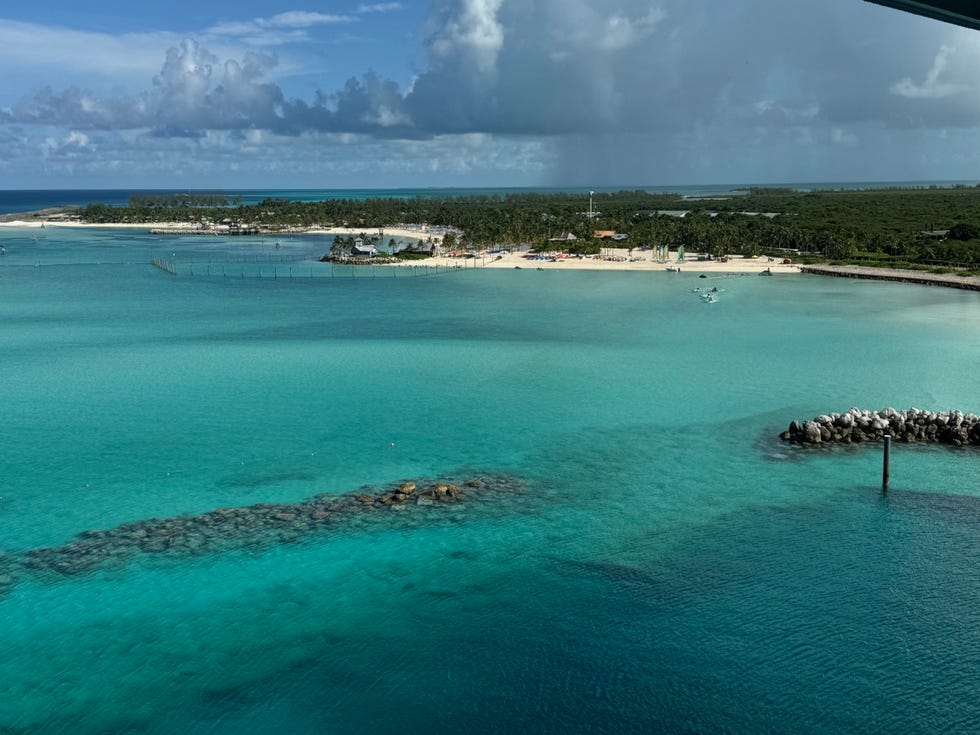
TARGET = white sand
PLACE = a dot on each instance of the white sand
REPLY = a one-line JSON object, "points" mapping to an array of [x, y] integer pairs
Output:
{"points": [[110, 225], [642, 261], [399, 232], [612, 259]]}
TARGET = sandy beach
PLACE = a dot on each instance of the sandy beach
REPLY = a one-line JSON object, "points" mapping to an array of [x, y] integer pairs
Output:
{"points": [[14, 221], [38, 223], [611, 259], [18, 220]]}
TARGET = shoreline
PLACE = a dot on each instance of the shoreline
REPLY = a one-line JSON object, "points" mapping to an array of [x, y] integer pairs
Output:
{"points": [[9, 221], [611, 259]]}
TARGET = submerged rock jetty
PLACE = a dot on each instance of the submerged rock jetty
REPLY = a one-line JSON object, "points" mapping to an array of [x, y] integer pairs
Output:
{"points": [[258, 526], [913, 425]]}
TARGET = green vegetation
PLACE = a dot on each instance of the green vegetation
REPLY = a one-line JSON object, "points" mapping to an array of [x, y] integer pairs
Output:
{"points": [[186, 200], [876, 227]]}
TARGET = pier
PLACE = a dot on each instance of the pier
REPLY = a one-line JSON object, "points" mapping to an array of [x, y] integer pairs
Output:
{"points": [[970, 283], [224, 231]]}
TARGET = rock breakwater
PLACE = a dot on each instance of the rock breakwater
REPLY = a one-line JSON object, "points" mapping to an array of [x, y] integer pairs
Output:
{"points": [[912, 425], [258, 525]]}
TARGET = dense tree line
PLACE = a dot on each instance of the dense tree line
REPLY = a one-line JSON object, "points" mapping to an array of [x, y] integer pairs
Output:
{"points": [[172, 200], [885, 225]]}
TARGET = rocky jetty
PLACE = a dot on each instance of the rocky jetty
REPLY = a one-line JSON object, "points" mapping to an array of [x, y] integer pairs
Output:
{"points": [[913, 425], [252, 526]]}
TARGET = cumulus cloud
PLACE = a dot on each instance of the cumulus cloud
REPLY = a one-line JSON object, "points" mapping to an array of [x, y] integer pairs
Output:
{"points": [[932, 88], [561, 67], [649, 83], [192, 92], [311, 159], [470, 33], [619, 31]]}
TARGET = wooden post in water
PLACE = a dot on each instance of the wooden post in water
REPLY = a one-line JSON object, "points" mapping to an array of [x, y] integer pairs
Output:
{"points": [[885, 468]]}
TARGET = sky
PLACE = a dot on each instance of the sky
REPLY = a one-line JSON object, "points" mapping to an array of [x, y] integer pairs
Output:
{"points": [[481, 93]]}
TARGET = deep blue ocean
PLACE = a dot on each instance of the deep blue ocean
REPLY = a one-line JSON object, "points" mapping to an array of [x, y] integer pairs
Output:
{"points": [[12, 200], [665, 563]]}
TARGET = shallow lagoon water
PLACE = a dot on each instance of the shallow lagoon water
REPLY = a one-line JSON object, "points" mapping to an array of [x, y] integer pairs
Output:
{"points": [[670, 567]]}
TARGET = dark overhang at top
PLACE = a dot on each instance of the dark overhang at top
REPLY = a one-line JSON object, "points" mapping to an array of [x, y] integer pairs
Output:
{"points": [[961, 12]]}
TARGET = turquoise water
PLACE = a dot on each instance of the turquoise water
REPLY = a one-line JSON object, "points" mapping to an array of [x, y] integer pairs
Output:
{"points": [[669, 567]]}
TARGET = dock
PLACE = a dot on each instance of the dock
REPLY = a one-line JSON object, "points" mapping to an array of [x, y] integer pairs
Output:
{"points": [[224, 232], [950, 280]]}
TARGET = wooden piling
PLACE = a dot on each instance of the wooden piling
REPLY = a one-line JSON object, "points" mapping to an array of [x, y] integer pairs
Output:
{"points": [[164, 265], [886, 461]]}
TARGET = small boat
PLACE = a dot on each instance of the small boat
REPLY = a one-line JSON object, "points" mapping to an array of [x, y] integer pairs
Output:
{"points": [[766, 272], [673, 270]]}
